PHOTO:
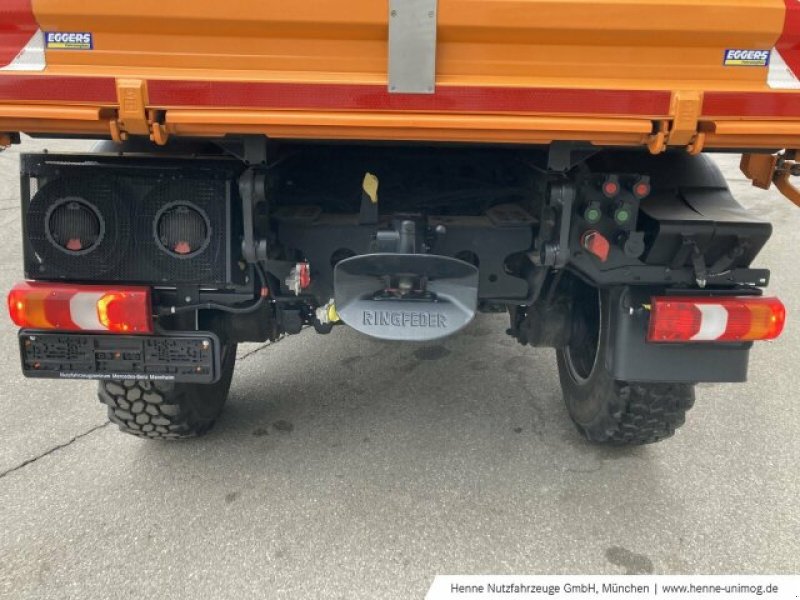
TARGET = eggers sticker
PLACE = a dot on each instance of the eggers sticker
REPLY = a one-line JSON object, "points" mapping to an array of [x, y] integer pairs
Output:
{"points": [[746, 58], [62, 40]]}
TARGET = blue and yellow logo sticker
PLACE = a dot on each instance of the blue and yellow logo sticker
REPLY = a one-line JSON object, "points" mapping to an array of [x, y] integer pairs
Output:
{"points": [[746, 58], [68, 40]]}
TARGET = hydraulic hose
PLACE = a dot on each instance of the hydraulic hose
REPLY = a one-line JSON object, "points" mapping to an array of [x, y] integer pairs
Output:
{"points": [[238, 310]]}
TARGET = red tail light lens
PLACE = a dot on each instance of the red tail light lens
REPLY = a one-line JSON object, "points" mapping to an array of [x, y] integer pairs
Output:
{"points": [[722, 319], [81, 308]]}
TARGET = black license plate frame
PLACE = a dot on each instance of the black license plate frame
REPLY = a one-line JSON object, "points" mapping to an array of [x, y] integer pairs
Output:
{"points": [[180, 357]]}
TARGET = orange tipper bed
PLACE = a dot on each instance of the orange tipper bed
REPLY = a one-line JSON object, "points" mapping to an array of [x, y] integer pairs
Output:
{"points": [[696, 73]]}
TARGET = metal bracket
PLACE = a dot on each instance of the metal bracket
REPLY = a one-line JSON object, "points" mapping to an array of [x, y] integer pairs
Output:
{"points": [[685, 108], [187, 295], [563, 156], [699, 266], [401, 240], [657, 142], [255, 149], [132, 98], [765, 169], [785, 187], [250, 149], [133, 116], [555, 253], [691, 250], [253, 191], [684, 128], [412, 46]]}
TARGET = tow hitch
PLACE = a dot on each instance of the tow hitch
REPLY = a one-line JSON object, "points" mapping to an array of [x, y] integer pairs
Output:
{"points": [[414, 297], [398, 294]]}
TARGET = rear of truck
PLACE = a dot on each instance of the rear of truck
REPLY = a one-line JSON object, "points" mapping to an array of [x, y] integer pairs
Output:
{"points": [[398, 167]]}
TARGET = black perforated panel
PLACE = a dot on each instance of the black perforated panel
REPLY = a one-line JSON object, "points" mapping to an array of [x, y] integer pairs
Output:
{"points": [[129, 195]]}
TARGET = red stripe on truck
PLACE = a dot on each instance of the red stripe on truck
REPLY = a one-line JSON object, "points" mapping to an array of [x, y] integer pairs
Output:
{"points": [[17, 26], [751, 104], [335, 96], [789, 42], [54, 88], [187, 94]]}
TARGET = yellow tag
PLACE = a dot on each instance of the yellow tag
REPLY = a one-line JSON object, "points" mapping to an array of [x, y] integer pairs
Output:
{"points": [[333, 316], [370, 187]]}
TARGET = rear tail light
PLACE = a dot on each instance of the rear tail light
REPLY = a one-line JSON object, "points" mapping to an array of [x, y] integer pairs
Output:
{"points": [[721, 319], [81, 307]]}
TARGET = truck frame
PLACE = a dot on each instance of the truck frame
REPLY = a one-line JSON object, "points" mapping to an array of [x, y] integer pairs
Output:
{"points": [[398, 168]]}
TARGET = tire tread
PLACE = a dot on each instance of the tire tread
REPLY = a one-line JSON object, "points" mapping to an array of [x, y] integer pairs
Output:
{"points": [[166, 410], [653, 412]]}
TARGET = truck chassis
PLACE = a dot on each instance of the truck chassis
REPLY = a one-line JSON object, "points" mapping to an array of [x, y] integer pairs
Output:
{"points": [[619, 259]]}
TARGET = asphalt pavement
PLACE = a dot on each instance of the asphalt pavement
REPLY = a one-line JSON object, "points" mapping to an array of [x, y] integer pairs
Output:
{"points": [[346, 467]]}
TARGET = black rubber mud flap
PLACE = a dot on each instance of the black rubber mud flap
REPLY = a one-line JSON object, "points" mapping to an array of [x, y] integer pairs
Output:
{"points": [[412, 297], [630, 357]]}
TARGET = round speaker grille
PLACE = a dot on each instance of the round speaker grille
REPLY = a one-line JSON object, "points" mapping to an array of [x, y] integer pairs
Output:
{"points": [[79, 228], [182, 229], [74, 226], [186, 219]]}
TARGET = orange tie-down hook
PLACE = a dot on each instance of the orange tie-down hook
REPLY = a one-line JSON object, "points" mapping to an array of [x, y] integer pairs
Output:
{"points": [[765, 169]]}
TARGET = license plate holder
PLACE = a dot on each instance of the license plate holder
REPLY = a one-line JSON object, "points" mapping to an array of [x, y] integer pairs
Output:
{"points": [[188, 357]]}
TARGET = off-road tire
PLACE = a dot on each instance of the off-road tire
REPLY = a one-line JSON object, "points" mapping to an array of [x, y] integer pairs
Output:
{"points": [[167, 411], [606, 410]]}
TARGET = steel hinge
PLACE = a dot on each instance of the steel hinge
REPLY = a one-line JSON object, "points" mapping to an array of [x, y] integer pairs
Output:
{"points": [[683, 128], [133, 116]]}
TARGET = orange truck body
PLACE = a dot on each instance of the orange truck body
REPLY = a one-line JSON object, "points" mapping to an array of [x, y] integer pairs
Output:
{"points": [[702, 74]]}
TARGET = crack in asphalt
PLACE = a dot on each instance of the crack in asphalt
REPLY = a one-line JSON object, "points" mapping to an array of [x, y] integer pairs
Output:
{"points": [[264, 346], [29, 461], [255, 351]]}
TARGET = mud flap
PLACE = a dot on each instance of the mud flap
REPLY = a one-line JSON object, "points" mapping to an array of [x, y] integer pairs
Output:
{"points": [[631, 358], [412, 297]]}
